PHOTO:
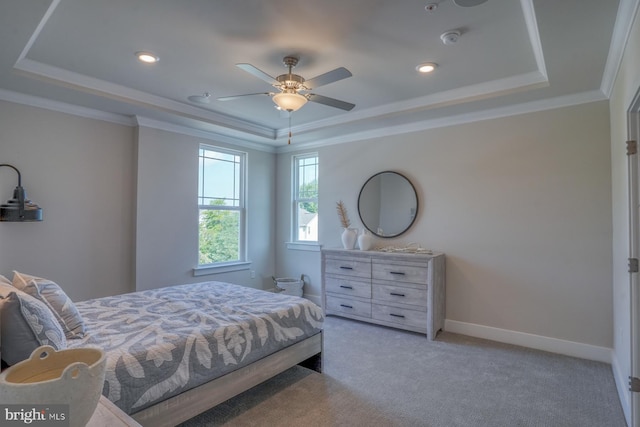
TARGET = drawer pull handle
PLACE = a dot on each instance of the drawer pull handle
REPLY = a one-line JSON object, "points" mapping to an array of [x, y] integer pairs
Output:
{"points": [[396, 315], [397, 294], [343, 267], [346, 287], [346, 306], [399, 273]]}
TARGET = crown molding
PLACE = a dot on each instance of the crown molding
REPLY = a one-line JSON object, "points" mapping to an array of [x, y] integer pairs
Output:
{"points": [[627, 11], [499, 87], [63, 107], [136, 97], [235, 131], [530, 107], [225, 123], [495, 113], [531, 80], [534, 35], [133, 96], [36, 33], [90, 113], [212, 136]]}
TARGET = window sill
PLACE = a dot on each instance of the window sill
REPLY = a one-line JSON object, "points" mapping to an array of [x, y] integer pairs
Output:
{"points": [[299, 246], [221, 268]]}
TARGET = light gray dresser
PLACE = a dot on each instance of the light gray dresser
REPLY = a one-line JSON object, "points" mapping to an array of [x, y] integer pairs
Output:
{"points": [[401, 290]]}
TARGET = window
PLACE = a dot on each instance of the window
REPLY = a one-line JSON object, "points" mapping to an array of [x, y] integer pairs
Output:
{"points": [[305, 198], [221, 205]]}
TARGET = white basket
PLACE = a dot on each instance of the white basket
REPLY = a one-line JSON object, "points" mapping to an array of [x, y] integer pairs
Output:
{"points": [[289, 286], [73, 377]]}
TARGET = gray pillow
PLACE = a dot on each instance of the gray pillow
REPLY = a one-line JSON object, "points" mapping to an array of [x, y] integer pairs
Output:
{"points": [[26, 324], [56, 299]]}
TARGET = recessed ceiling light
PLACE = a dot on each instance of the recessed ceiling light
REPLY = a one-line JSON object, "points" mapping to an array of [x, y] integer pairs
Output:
{"points": [[147, 57], [427, 67]]}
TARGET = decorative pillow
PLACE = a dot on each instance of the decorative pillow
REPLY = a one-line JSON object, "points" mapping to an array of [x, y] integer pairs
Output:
{"points": [[4, 280], [26, 324], [6, 289], [56, 299]]}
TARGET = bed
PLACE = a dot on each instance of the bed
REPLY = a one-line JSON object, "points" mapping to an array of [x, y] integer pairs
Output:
{"points": [[175, 352]]}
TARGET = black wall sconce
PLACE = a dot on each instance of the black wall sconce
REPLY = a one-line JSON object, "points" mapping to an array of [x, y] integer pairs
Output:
{"points": [[19, 208]]}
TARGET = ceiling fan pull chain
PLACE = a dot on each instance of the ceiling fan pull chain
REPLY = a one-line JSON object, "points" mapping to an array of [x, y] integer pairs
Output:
{"points": [[289, 143]]}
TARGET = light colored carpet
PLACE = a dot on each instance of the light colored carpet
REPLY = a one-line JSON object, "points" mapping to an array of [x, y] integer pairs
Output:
{"points": [[377, 376]]}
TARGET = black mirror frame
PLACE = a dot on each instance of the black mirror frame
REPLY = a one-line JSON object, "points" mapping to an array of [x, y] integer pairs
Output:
{"points": [[374, 232]]}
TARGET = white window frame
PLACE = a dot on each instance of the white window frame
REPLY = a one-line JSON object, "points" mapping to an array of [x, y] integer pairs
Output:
{"points": [[241, 263], [295, 243]]}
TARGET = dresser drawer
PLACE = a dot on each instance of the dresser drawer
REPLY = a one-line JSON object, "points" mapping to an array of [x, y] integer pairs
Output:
{"points": [[402, 316], [404, 295], [348, 267], [346, 286], [399, 272], [348, 306]]}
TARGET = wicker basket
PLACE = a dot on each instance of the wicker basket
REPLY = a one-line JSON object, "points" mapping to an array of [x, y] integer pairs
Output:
{"points": [[289, 286], [73, 377]]}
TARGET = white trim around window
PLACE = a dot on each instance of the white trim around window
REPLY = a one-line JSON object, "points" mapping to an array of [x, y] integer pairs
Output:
{"points": [[304, 203]]}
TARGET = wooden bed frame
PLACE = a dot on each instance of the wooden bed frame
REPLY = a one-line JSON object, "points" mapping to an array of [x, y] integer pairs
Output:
{"points": [[184, 406]]}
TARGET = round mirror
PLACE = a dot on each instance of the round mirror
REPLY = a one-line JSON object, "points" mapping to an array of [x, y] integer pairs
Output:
{"points": [[388, 204]]}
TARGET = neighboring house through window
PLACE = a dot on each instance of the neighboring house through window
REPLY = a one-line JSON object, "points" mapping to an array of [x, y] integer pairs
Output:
{"points": [[305, 198], [221, 204]]}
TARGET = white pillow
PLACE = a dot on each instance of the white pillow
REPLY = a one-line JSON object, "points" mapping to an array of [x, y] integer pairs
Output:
{"points": [[4, 280], [56, 299]]}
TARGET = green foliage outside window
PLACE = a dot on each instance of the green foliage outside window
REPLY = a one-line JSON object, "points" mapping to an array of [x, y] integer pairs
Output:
{"points": [[219, 231], [309, 190]]}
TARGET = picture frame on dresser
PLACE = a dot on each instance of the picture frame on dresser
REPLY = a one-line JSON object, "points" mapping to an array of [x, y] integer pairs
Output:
{"points": [[395, 289]]}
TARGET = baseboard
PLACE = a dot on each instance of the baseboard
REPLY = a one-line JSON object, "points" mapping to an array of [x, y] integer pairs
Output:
{"points": [[622, 382], [553, 345]]}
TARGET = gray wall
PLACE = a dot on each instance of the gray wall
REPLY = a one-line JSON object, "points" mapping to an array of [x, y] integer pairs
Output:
{"points": [[119, 202], [167, 212], [521, 206], [81, 172]]}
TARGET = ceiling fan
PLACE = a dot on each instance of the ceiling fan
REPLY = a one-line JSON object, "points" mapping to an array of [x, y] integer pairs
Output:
{"points": [[294, 89], [469, 3]]}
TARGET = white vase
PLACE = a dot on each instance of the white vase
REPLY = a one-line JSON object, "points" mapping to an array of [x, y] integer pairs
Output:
{"points": [[365, 240], [349, 237]]}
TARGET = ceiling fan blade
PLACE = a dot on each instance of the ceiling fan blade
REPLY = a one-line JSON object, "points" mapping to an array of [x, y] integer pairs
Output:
{"points": [[331, 102], [468, 3], [231, 98], [258, 73], [328, 77]]}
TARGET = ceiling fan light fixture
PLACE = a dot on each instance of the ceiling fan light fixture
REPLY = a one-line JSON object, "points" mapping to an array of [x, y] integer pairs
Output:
{"points": [[289, 101]]}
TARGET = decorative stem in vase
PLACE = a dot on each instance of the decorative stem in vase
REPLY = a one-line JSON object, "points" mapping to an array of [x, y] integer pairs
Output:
{"points": [[349, 235]]}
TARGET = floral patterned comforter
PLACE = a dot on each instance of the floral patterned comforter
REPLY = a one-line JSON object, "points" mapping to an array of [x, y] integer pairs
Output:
{"points": [[164, 341]]}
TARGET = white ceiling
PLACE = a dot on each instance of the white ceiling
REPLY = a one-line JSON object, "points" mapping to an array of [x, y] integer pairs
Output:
{"points": [[512, 55]]}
